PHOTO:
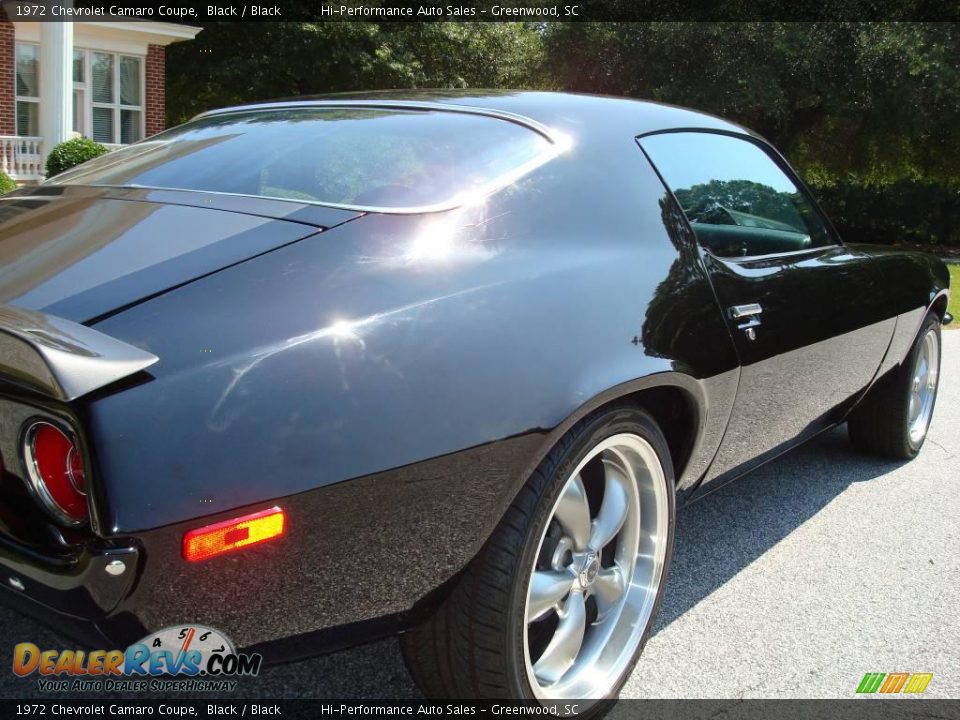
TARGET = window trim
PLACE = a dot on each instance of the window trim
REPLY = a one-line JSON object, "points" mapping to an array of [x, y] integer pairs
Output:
{"points": [[32, 101], [87, 87], [18, 98], [780, 161], [561, 141], [116, 105]]}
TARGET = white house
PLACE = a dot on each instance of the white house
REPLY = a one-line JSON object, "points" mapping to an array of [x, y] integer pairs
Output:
{"points": [[103, 80]]}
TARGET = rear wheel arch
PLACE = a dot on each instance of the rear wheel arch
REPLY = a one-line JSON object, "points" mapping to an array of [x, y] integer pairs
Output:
{"points": [[676, 413], [674, 400], [469, 648]]}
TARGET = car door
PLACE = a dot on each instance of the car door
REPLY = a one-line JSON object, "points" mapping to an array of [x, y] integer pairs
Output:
{"points": [[807, 315]]}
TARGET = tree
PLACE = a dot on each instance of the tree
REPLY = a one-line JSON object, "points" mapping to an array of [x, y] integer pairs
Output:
{"points": [[861, 109], [701, 202], [231, 63], [871, 102]]}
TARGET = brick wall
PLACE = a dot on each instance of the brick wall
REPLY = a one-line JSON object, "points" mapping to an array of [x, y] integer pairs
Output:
{"points": [[156, 89], [8, 103]]}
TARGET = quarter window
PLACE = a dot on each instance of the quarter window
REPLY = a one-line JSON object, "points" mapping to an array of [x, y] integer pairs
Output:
{"points": [[738, 200]]}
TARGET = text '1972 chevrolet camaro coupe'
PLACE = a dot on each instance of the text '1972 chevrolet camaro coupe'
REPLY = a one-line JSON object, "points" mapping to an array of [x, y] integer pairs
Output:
{"points": [[444, 364]]}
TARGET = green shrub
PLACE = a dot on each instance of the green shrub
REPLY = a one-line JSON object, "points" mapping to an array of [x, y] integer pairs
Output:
{"points": [[904, 211], [6, 184], [71, 153]]}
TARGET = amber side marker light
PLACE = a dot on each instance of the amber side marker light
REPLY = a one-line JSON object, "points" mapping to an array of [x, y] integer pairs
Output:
{"points": [[230, 535]]}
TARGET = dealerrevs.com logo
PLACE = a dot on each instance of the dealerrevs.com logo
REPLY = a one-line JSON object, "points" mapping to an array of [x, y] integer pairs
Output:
{"points": [[179, 658]]}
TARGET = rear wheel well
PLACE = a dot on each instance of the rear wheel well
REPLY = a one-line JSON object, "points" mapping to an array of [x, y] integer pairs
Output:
{"points": [[675, 413]]}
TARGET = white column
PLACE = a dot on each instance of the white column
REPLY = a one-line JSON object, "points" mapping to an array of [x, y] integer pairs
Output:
{"points": [[56, 82]]}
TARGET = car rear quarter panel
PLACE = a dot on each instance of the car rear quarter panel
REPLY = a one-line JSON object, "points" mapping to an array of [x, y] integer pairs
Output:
{"points": [[429, 360]]}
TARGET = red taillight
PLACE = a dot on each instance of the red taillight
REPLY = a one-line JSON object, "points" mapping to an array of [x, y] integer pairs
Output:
{"points": [[234, 534], [55, 468]]}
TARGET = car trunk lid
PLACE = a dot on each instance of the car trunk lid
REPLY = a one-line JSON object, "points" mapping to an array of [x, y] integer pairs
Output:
{"points": [[82, 253]]}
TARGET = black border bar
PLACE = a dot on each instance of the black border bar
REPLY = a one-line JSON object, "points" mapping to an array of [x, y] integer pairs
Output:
{"points": [[865, 708], [194, 11]]}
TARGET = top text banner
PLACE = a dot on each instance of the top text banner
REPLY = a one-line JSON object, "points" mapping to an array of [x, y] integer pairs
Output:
{"points": [[192, 12]]}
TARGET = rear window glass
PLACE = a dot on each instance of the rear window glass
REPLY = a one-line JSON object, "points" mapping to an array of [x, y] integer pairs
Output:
{"points": [[365, 157]]}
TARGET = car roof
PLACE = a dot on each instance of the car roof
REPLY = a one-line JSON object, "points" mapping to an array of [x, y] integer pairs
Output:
{"points": [[572, 113]]}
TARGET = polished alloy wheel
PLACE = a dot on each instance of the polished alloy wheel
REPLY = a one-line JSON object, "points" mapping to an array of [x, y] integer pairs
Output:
{"points": [[597, 572], [923, 387]]}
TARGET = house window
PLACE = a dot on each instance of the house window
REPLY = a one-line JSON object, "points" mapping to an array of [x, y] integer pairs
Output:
{"points": [[79, 74], [108, 96], [79, 91], [115, 89], [28, 92]]}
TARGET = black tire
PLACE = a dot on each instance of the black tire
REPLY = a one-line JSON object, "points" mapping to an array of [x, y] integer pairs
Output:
{"points": [[473, 646], [880, 424]]}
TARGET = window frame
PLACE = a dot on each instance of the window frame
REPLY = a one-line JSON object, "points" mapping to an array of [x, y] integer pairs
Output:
{"points": [[780, 161], [18, 98], [116, 106], [86, 86]]}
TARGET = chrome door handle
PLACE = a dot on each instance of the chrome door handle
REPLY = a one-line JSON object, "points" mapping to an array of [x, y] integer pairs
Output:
{"points": [[747, 318], [744, 311]]}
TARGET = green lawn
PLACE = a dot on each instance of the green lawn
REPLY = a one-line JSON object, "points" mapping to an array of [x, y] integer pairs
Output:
{"points": [[954, 306]]}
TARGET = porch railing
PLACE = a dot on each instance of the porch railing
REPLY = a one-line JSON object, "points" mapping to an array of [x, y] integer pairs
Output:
{"points": [[21, 157]]}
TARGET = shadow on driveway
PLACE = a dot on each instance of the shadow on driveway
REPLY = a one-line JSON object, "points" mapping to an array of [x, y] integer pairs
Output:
{"points": [[724, 532]]}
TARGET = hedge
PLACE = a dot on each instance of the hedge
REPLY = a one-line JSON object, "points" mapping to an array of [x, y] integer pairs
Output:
{"points": [[6, 183], [905, 211], [71, 153]]}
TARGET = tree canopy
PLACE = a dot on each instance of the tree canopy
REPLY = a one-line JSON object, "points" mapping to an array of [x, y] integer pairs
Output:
{"points": [[230, 63], [871, 101], [850, 103]]}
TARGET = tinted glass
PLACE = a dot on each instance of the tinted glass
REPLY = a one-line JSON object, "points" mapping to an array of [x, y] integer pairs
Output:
{"points": [[27, 85], [102, 77], [28, 118], [78, 65], [103, 124], [129, 81], [363, 157], [130, 124], [738, 200]]}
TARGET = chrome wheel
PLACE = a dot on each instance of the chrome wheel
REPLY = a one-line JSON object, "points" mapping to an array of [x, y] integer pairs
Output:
{"points": [[597, 572], [923, 387]]}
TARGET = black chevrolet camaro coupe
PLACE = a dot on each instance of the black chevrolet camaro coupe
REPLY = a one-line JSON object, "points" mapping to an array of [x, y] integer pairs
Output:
{"points": [[310, 372]]}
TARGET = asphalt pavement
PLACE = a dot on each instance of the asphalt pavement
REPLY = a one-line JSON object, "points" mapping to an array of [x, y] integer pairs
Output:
{"points": [[792, 582]]}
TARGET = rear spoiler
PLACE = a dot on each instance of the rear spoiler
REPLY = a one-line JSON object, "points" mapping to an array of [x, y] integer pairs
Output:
{"points": [[60, 358]]}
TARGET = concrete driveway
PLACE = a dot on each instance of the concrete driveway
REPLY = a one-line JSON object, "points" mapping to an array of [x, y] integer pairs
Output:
{"points": [[792, 582]]}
